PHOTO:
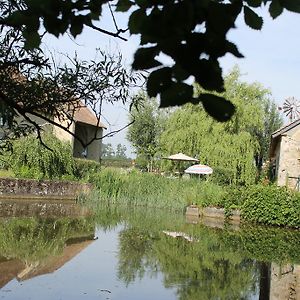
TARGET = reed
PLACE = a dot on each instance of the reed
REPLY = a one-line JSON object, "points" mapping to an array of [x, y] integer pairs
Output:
{"points": [[151, 190]]}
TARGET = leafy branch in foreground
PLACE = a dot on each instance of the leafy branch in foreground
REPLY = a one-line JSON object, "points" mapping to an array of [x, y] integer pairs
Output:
{"points": [[35, 92], [192, 33]]}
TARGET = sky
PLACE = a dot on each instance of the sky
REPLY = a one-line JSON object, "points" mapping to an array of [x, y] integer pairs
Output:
{"points": [[271, 57]]}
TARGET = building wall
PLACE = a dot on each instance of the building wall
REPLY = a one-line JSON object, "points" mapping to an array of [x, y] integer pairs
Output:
{"points": [[285, 282], [62, 134], [87, 133], [288, 162]]}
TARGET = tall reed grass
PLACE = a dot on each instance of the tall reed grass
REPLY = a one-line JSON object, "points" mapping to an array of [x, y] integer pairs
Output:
{"points": [[151, 190]]}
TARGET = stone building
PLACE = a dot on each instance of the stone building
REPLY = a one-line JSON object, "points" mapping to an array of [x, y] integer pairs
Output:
{"points": [[285, 155], [87, 127], [285, 282]]}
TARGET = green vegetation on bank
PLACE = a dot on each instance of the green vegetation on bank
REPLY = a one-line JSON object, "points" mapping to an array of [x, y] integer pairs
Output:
{"points": [[265, 204]]}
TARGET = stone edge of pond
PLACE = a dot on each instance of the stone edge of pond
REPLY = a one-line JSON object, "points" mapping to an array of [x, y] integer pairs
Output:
{"points": [[30, 189], [212, 216]]}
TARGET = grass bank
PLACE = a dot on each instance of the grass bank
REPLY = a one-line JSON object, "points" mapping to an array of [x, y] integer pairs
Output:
{"points": [[264, 204], [145, 189]]}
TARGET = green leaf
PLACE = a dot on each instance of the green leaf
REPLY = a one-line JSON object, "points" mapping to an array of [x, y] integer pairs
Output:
{"points": [[252, 19], [233, 49], [123, 5], [275, 9], [158, 81], [32, 39], [136, 21], [177, 94], [144, 58], [76, 28], [291, 5], [254, 3], [217, 107]]}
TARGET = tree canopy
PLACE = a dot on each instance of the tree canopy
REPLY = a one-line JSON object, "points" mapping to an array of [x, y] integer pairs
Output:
{"points": [[192, 33], [232, 147], [148, 124]]}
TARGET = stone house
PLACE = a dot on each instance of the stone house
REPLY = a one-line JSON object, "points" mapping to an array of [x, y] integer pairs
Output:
{"points": [[87, 127], [285, 155], [84, 125]]}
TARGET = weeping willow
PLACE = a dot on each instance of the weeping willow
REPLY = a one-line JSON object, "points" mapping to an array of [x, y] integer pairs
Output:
{"points": [[232, 147]]}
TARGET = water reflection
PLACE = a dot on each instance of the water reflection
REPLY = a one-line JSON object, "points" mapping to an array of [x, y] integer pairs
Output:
{"points": [[138, 251], [31, 247]]}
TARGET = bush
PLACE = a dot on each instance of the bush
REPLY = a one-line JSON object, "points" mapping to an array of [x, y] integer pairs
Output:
{"points": [[84, 169], [30, 159], [222, 176], [271, 205]]}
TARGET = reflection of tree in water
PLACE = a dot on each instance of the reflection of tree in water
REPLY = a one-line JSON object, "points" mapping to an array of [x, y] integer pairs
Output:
{"points": [[135, 245], [200, 270], [34, 239]]}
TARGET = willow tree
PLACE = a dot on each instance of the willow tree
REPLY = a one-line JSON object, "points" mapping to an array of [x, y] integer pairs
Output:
{"points": [[147, 126], [231, 147]]}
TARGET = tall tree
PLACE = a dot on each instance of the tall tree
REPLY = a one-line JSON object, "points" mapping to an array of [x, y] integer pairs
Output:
{"points": [[107, 151], [230, 148], [121, 151], [191, 32], [148, 124]]}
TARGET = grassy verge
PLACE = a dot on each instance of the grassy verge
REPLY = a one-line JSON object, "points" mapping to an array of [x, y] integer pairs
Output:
{"points": [[154, 191], [259, 203]]}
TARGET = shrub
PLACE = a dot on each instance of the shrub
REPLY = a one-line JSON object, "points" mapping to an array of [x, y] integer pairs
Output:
{"points": [[222, 176], [84, 169], [30, 159], [271, 205]]}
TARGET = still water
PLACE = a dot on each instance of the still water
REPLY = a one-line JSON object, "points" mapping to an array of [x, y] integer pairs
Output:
{"points": [[132, 255]]}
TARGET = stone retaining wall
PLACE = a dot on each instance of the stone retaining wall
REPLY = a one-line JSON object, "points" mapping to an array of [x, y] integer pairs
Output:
{"points": [[17, 208], [24, 187], [195, 212]]}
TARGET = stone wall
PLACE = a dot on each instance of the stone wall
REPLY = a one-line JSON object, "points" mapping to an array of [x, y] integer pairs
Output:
{"points": [[285, 282], [41, 208], [25, 187], [289, 164]]}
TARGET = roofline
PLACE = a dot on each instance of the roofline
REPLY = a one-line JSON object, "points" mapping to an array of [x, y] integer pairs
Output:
{"points": [[285, 128], [100, 125]]}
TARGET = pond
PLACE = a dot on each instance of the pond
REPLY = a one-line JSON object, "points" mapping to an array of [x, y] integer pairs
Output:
{"points": [[142, 254]]}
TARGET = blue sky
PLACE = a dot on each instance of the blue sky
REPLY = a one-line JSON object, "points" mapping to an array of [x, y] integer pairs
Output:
{"points": [[271, 57]]}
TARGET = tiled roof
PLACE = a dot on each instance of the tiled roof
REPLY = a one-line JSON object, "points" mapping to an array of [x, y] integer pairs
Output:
{"points": [[84, 115]]}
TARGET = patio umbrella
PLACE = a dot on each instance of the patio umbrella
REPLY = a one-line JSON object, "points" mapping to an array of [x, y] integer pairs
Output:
{"points": [[199, 169], [181, 157]]}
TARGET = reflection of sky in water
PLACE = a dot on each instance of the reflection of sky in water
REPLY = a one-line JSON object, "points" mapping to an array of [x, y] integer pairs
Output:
{"points": [[92, 270]]}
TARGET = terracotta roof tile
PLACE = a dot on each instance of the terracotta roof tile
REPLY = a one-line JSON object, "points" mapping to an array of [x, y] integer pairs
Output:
{"points": [[83, 114]]}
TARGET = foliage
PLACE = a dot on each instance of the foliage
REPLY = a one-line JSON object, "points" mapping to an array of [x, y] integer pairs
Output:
{"points": [[84, 169], [229, 148], [271, 205], [36, 91], [32, 240], [151, 190], [192, 33], [189, 131], [148, 124], [107, 151], [121, 151], [117, 163], [30, 159]]}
